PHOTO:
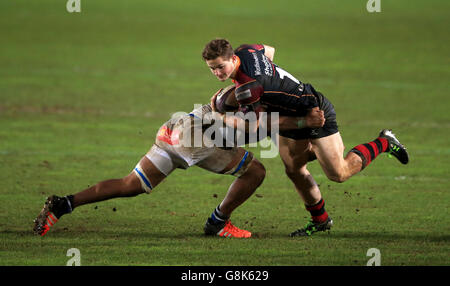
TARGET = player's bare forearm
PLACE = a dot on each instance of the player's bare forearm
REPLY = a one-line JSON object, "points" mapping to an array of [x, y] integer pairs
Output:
{"points": [[269, 52], [314, 119], [239, 123]]}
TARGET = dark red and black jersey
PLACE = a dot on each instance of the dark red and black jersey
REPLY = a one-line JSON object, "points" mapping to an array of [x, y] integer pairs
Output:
{"points": [[262, 84]]}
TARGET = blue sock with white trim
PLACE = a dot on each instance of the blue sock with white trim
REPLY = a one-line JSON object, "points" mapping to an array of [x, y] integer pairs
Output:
{"points": [[218, 217]]}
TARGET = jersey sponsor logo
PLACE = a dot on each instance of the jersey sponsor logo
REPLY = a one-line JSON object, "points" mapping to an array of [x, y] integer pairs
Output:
{"points": [[256, 64], [249, 92], [243, 95], [267, 66]]}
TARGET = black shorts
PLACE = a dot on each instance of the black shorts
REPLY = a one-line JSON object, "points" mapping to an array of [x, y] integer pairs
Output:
{"points": [[330, 127]]}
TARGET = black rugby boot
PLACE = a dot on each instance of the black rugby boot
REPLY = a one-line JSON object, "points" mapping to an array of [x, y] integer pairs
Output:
{"points": [[395, 147], [313, 227]]}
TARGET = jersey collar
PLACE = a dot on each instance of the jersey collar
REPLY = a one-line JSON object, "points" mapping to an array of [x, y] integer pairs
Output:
{"points": [[238, 64]]}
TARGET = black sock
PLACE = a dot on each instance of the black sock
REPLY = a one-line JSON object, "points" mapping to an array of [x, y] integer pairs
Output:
{"points": [[218, 217], [70, 202], [63, 206]]}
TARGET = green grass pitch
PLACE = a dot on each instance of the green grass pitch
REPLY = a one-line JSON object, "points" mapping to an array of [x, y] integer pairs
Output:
{"points": [[83, 94]]}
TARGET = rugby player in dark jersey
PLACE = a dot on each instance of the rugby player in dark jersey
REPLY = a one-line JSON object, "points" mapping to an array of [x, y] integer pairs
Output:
{"points": [[262, 86]]}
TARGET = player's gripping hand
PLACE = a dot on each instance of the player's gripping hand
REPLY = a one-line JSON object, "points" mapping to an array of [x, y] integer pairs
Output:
{"points": [[224, 100], [314, 118], [213, 102]]}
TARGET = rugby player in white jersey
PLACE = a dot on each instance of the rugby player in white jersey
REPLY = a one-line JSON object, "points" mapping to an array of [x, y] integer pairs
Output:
{"points": [[174, 148]]}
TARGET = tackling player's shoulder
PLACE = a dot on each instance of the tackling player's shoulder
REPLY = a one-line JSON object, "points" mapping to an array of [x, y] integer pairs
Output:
{"points": [[253, 61]]}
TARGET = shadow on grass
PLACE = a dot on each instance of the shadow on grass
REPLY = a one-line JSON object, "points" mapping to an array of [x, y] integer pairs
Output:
{"points": [[385, 236], [358, 236], [131, 235]]}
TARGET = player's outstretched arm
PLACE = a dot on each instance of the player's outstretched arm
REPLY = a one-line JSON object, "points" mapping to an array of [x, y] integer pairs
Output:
{"points": [[314, 119], [225, 101]]}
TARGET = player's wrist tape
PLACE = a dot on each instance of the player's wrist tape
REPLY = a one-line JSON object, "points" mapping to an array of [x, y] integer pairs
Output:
{"points": [[301, 123]]}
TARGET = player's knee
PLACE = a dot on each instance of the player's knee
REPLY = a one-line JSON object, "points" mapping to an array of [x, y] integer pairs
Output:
{"points": [[256, 171], [294, 173], [260, 170], [291, 173], [338, 177], [131, 186]]}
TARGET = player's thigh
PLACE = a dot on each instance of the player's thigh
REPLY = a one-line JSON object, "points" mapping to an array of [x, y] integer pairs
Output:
{"points": [[329, 151], [294, 153]]}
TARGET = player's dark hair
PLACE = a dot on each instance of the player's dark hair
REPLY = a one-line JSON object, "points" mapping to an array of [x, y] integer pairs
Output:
{"points": [[217, 48]]}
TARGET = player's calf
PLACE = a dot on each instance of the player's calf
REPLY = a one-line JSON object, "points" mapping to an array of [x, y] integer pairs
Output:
{"points": [[250, 174], [386, 142], [339, 175], [55, 207]]}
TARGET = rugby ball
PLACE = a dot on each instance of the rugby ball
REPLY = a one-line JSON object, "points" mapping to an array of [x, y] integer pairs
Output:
{"points": [[225, 100]]}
